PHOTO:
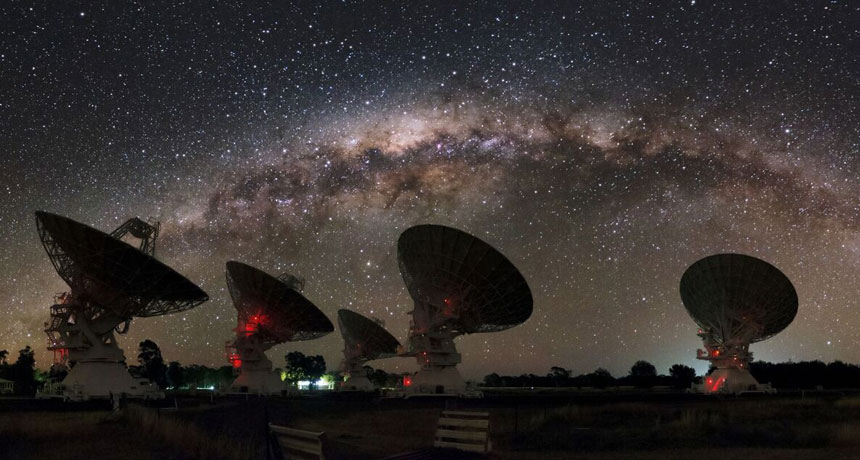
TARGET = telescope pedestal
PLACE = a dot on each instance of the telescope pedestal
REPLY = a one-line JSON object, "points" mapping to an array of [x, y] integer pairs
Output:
{"points": [[99, 371], [731, 362], [438, 357], [438, 380], [255, 369], [100, 380], [733, 381], [258, 381], [357, 378]]}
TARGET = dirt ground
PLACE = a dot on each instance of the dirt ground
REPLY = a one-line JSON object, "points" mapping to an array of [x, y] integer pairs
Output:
{"points": [[521, 428]]}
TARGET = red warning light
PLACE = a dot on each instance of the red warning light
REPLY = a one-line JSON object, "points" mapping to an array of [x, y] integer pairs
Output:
{"points": [[253, 323], [716, 385], [449, 307], [407, 381]]}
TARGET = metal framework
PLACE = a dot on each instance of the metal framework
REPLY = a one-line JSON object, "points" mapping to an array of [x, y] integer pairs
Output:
{"points": [[146, 232], [111, 282], [460, 285], [736, 300], [271, 310], [113, 274], [365, 339]]}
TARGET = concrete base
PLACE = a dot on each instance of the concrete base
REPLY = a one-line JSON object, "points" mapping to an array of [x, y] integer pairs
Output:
{"points": [[437, 380], [101, 379], [258, 381], [731, 381], [357, 383]]}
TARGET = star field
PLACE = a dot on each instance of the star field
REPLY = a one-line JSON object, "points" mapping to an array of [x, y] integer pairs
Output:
{"points": [[602, 146]]}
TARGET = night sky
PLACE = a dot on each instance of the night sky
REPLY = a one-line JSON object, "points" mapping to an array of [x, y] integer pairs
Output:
{"points": [[603, 147]]}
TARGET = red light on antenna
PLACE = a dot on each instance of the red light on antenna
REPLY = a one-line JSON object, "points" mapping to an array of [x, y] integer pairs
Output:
{"points": [[716, 385]]}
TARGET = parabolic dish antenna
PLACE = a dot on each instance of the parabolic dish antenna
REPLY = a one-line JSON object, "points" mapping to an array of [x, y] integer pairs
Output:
{"points": [[460, 285], [270, 311], [736, 300], [109, 269], [364, 340], [111, 283]]}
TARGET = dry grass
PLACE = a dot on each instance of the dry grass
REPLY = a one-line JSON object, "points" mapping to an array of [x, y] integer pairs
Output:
{"points": [[73, 436], [715, 424], [187, 439]]}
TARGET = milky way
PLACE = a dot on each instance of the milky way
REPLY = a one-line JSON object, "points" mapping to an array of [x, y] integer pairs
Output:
{"points": [[603, 148]]}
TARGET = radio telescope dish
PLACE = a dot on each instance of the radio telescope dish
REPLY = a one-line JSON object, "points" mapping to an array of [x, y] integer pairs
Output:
{"points": [[460, 285], [111, 282], [364, 340], [270, 311], [736, 300]]}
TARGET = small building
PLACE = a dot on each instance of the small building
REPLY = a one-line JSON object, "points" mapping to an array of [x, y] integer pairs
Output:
{"points": [[6, 386]]}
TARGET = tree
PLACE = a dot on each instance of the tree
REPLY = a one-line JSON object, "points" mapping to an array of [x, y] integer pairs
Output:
{"points": [[23, 372], [682, 376], [57, 373], [559, 376], [301, 367], [601, 378], [643, 374], [295, 369], [314, 368], [5, 369], [492, 380], [175, 375], [559, 372], [151, 363], [378, 377]]}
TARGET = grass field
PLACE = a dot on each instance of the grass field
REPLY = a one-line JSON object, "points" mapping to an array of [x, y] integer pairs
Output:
{"points": [[77, 435], [522, 426]]}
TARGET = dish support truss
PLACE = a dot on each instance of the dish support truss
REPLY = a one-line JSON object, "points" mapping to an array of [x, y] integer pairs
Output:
{"points": [[730, 361], [431, 342], [83, 339]]}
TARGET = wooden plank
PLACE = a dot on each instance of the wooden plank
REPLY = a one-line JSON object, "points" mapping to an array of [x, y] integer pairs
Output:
{"points": [[307, 447], [459, 422], [448, 413], [295, 442], [456, 445], [459, 434], [295, 432], [430, 453]]}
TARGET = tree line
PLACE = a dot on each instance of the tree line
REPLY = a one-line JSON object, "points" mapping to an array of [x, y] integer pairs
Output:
{"points": [[175, 376], [151, 365], [22, 372], [788, 375], [642, 374]]}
